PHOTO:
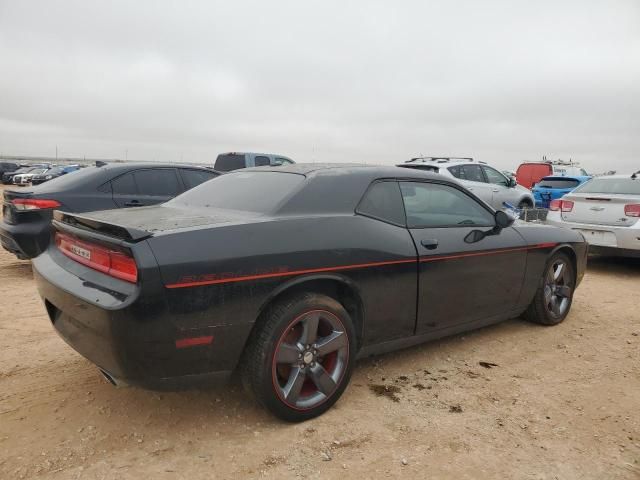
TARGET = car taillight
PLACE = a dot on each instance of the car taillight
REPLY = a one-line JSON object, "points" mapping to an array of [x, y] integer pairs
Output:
{"points": [[555, 205], [566, 205], [34, 203], [632, 210], [112, 262]]}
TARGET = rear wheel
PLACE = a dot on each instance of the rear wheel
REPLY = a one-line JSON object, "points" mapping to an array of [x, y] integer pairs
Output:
{"points": [[553, 298], [300, 360]]}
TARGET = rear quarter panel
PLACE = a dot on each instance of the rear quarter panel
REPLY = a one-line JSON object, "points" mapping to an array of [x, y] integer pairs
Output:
{"points": [[226, 275]]}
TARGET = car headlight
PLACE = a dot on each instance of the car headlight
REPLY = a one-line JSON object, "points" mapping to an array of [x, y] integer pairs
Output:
{"points": [[48, 177]]}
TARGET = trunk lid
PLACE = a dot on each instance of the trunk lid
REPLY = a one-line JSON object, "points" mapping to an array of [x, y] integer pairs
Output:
{"points": [[600, 209], [135, 224]]}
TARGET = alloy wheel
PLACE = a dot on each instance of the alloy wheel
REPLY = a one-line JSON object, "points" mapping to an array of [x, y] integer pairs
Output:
{"points": [[310, 359], [557, 288]]}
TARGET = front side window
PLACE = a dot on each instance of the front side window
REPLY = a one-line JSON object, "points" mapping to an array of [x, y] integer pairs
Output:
{"points": [[383, 201], [282, 161], [495, 177], [437, 205], [157, 182]]}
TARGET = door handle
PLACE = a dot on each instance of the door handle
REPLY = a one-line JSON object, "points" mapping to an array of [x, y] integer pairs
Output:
{"points": [[495, 190], [431, 244], [133, 203]]}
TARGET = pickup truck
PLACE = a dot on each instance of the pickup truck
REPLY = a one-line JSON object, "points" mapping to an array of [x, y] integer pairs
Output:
{"points": [[236, 160]]}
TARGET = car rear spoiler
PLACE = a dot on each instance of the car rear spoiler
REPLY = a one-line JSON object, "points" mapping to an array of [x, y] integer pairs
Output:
{"points": [[80, 222]]}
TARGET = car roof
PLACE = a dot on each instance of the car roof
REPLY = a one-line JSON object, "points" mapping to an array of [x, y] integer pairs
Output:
{"points": [[353, 169], [417, 164], [337, 188]]}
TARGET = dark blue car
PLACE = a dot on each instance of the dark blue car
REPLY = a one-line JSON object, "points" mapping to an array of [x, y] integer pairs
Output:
{"points": [[553, 187]]}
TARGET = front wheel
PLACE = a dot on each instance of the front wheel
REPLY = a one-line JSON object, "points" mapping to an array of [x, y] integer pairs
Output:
{"points": [[552, 301], [300, 360]]}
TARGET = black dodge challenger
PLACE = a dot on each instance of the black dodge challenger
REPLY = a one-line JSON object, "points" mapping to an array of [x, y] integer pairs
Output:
{"points": [[284, 276]]}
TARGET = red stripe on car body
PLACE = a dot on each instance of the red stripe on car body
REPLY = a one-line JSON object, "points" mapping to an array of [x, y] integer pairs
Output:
{"points": [[194, 341], [263, 276]]}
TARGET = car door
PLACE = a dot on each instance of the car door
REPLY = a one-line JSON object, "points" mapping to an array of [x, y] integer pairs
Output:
{"points": [[460, 282], [500, 190], [124, 191], [473, 178]]}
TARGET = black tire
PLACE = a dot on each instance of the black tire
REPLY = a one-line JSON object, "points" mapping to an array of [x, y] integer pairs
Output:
{"points": [[524, 204], [554, 296], [278, 360]]}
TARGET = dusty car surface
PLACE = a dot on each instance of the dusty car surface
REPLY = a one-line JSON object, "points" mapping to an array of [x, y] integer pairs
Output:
{"points": [[284, 276]]}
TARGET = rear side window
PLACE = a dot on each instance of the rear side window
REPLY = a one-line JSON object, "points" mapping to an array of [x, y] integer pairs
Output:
{"points": [[455, 171], [436, 205], [228, 162], [157, 182], [261, 161], [124, 185], [558, 183], [193, 178], [472, 173], [383, 201]]}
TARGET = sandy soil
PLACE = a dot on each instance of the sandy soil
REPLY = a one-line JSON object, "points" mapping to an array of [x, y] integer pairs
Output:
{"points": [[561, 402]]}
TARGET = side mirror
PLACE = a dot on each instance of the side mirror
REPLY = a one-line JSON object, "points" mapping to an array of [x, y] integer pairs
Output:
{"points": [[475, 236], [503, 220], [512, 182]]}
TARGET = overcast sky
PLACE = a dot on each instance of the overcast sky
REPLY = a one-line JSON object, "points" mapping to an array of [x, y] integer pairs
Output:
{"points": [[359, 81]]}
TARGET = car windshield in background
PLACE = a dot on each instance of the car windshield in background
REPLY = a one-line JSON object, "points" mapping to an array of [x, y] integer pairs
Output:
{"points": [[625, 186], [558, 183], [39, 171], [67, 181], [259, 192], [55, 170]]}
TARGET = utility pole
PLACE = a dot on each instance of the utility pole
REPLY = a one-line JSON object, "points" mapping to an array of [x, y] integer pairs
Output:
{"points": [[126, 155], [56, 153]]}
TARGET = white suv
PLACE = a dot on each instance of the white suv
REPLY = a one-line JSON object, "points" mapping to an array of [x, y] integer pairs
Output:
{"points": [[484, 181]]}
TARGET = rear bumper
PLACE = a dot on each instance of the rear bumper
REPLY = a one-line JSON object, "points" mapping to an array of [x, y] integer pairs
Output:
{"points": [[132, 336], [26, 240], [603, 237]]}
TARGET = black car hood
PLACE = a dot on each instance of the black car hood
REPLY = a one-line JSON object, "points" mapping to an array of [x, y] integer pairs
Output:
{"points": [[160, 218]]}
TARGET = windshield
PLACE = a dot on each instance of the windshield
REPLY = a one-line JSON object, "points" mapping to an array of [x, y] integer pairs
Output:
{"points": [[558, 183], [259, 192], [55, 170], [628, 186], [38, 171]]}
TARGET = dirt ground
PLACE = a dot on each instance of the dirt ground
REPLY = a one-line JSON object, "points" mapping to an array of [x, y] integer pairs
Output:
{"points": [[560, 403]]}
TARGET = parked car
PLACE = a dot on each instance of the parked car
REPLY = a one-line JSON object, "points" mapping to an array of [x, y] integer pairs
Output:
{"points": [[54, 172], [8, 167], [486, 182], [25, 229], [7, 177], [284, 276], [227, 162], [553, 187], [530, 173], [606, 210], [22, 179]]}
